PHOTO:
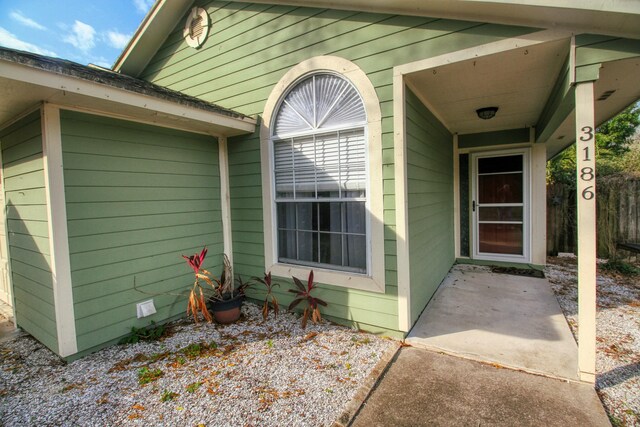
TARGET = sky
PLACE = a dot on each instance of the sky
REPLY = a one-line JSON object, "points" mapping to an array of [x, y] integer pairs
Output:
{"points": [[83, 31]]}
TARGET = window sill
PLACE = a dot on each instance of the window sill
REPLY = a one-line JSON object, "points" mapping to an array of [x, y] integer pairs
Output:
{"points": [[330, 277]]}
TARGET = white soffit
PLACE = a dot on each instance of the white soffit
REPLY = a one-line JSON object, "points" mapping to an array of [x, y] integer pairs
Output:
{"points": [[517, 81]]}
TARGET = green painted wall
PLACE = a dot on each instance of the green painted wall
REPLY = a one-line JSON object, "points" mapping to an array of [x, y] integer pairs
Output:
{"points": [[430, 199], [137, 198], [500, 137], [250, 47], [27, 224]]}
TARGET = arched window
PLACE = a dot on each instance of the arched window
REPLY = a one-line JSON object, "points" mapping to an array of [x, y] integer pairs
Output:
{"points": [[320, 175]]}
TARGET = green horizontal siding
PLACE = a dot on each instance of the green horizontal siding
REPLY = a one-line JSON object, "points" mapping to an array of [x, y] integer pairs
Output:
{"points": [[500, 137], [250, 47], [430, 199], [28, 229], [137, 197]]}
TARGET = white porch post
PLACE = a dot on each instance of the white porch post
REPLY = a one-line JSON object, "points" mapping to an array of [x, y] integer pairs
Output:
{"points": [[586, 196]]}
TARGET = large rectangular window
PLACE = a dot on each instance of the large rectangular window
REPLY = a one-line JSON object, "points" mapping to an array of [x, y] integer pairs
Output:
{"points": [[320, 186]]}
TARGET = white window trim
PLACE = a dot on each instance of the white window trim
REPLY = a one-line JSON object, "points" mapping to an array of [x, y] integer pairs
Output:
{"points": [[375, 280]]}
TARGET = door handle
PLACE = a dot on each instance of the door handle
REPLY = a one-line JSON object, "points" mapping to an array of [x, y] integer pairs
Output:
{"points": [[473, 206]]}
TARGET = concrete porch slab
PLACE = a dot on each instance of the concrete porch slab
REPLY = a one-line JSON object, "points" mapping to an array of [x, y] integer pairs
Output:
{"points": [[513, 321]]}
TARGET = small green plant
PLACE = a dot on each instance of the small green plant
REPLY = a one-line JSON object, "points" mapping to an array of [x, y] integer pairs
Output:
{"points": [[304, 294], [620, 267], [270, 343], [270, 299], [193, 386], [153, 332], [193, 350], [146, 375], [168, 395]]}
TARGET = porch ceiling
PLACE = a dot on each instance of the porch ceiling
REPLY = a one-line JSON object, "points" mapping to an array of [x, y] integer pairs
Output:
{"points": [[517, 81]]}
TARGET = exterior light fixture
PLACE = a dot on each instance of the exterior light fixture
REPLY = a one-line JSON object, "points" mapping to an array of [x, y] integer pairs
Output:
{"points": [[487, 113]]}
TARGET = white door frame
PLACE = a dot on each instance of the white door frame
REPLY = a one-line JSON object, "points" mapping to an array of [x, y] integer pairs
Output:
{"points": [[526, 198]]}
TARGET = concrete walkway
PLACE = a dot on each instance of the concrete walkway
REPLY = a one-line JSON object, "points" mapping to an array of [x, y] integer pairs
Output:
{"points": [[424, 388], [509, 320]]}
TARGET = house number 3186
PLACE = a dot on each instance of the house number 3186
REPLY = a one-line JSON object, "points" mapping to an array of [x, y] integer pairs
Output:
{"points": [[587, 173]]}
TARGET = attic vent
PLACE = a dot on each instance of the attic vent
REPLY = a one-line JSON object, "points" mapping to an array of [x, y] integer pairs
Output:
{"points": [[196, 28], [606, 95]]}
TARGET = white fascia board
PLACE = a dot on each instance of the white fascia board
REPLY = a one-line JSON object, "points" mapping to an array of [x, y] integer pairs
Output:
{"points": [[619, 18], [71, 84], [150, 35]]}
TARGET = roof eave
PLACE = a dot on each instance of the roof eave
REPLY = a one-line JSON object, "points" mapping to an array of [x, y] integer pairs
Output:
{"points": [[620, 18], [151, 33], [76, 92]]}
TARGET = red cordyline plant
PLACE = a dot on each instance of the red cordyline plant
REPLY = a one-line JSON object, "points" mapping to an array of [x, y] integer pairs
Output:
{"points": [[197, 300], [304, 294], [274, 302]]}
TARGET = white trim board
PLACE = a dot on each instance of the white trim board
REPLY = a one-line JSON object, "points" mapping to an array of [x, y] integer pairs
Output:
{"points": [[225, 199], [375, 280], [58, 235], [399, 72]]}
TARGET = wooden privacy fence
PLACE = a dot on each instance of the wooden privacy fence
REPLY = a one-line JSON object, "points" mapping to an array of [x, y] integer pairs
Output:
{"points": [[618, 215]]}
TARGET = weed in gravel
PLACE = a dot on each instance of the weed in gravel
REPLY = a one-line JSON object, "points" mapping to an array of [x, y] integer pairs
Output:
{"points": [[360, 341], [168, 396], [159, 356], [193, 351], [620, 267], [269, 343], [193, 386], [153, 332], [146, 375]]}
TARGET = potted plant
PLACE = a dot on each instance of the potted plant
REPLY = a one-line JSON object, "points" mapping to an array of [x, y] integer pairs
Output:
{"points": [[226, 299], [219, 297]]}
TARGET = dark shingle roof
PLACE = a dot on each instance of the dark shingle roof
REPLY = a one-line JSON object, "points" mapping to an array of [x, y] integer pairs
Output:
{"points": [[112, 79]]}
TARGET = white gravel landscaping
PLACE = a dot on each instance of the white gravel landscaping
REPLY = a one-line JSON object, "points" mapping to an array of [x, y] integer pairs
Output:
{"points": [[618, 334], [251, 373]]}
